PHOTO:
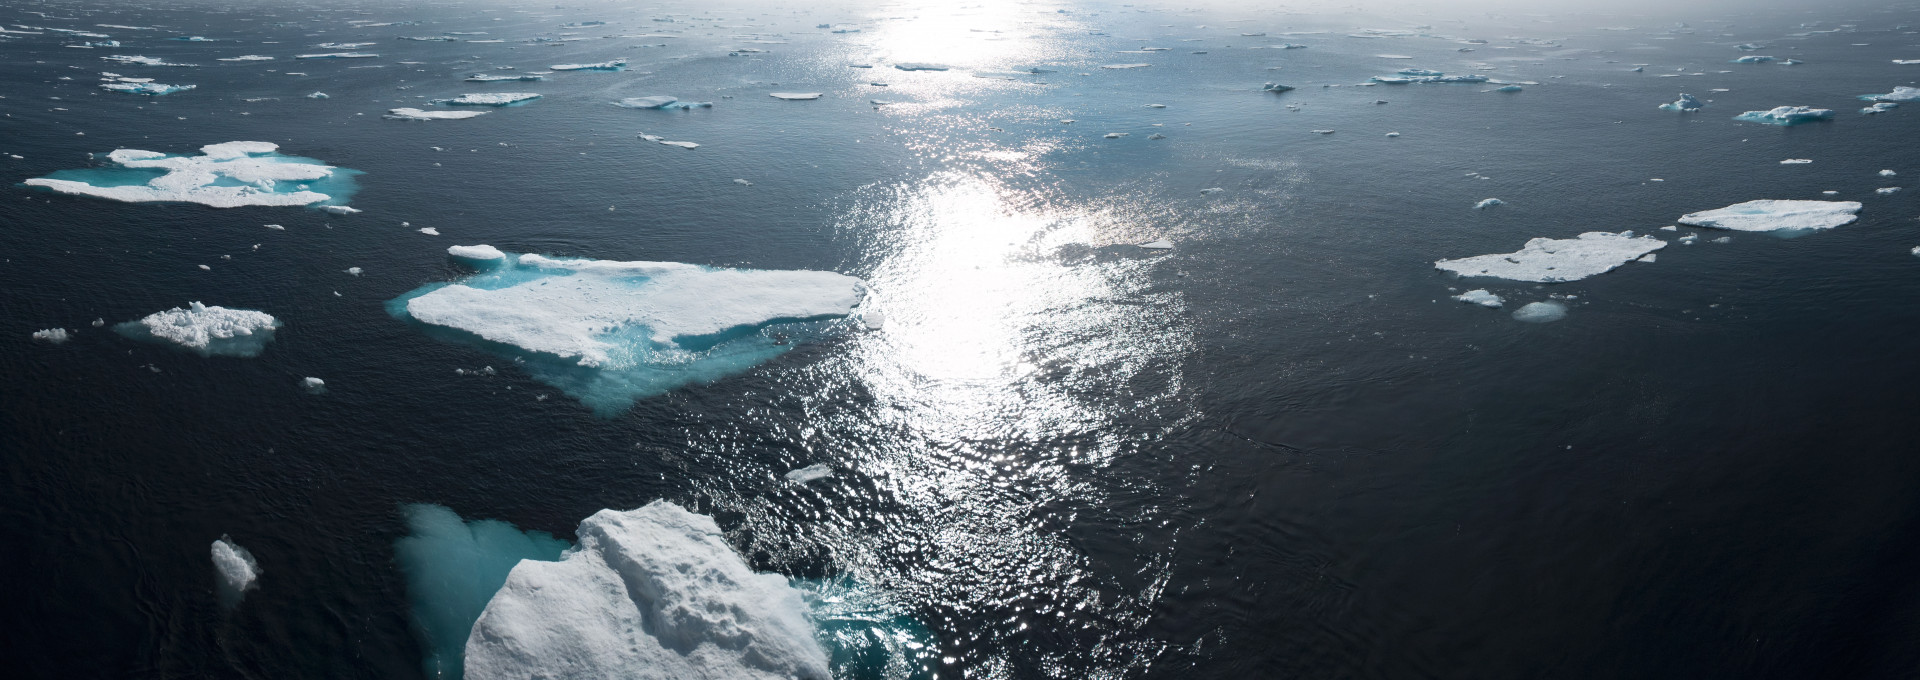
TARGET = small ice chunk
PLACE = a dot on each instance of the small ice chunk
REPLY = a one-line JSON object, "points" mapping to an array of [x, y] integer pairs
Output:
{"points": [[1686, 103], [418, 114], [318, 95], [313, 385], [1156, 135], [430, 231], [1488, 203], [1507, 88], [355, 271], [1796, 161], [481, 253], [53, 336], [1771, 215], [1888, 173], [1723, 239], [795, 96], [1212, 190], [1480, 297], [914, 66], [873, 320], [615, 65], [150, 89], [1545, 260], [339, 209], [236, 570], [1886, 191], [1161, 244], [660, 102], [1116, 135], [1322, 132], [1786, 115], [1275, 88], [1753, 59], [809, 473], [1540, 312], [1125, 66], [206, 330], [336, 55]]}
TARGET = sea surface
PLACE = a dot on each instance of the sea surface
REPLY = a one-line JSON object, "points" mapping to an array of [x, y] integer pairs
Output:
{"points": [[1278, 449]]}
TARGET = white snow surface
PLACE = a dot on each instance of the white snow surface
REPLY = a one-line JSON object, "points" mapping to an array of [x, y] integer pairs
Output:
{"points": [[199, 325], [567, 315], [1770, 215], [653, 593], [1546, 260], [190, 179]]}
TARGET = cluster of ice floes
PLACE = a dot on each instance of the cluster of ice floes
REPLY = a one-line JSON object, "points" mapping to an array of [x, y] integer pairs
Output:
{"points": [[489, 99], [610, 332], [1546, 260], [1786, 115], [660, 102], [1685, 104], [419, 114], [1775, 215], [226, 175], [206, 330], [235, 571], [650, 593]]}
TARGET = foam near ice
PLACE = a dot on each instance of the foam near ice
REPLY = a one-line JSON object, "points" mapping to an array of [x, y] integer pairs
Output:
{"points": [[206, 330], [1786, 115], [1774, 215], [650, 593], [489, 99], [235, 569], [417, 114], [1546, 260], [225, 175]]}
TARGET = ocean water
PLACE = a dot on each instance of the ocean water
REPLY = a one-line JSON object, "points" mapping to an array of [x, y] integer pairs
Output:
{"points": [[1278, 449]]}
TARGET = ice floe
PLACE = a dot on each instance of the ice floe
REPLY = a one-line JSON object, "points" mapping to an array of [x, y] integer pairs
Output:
{"points": [[418, 114], [1540, 312], [1776, 215], [1887, 191], [1786, 115], [235, 570], [313, 385], [794, 96], [206, 330], [1275, 88], [1488, 203], [1125, 66], [615, 65], [1546, 260], [336, 55], [247, 57], [1899, 94], [225, 175], [916, 66], [139, 60], [1685, 104], [491, 78], [452, 568], [660, 102], [1480, 297], [809, 473], [489, 99], [655, 592], [478, 254], [1879, 107], [609, 332], [145, 88], [1753, 59], [52, 336]]}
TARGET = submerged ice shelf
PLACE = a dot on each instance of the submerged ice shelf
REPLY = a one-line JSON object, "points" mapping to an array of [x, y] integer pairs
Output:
{"points": [[227, 175], [608, 333], [1546, 260]]}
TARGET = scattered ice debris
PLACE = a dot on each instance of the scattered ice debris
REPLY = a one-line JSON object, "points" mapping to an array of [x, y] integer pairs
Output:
{"points": [[1480, 297], [1753, 59], [1275, 88], [1901, 93], [809, 473], [318, 95], [206, 330], [481, 254], [140, 61], [661, 102], [795, 96], [247, 57], [53, 336], [1125, 66], [1773, 215], [615, 65], [418, 114], [226, 175], [1796, 161], [1488, 203], [653, 592], [1685, 104], [1161, 244], [914, 66], [336, 55], [1545, 260], [1786, 115], [489, 99], [491, 78], [1886, 191], [313, 385], [1540, 312], [236, 570]]}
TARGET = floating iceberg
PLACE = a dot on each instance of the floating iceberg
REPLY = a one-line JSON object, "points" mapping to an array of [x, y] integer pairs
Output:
{"points": [[1796, 161], [226, 175], [235, 569], [795, 96], [1771, 215], [661, 102], [650, 593], [1483, 205], [480, 254], [1545, 260], [313, 385], [318, 95], [662, 140], [1879, 107], [490, 78], [1540, 312], [417, 114], [1275, 88], [452, 568], [145, 88], [615, 65], [1753, 59], [53, 336], [1900, 93], [1786, 115], [336, 55], [206, 330], [140, 61], [609, 333], [1685, 104], [489, 99], [1480, 297]]}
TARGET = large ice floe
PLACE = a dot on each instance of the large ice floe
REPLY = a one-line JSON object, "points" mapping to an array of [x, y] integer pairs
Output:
{"points": [[608, 333], [235, 571], [490, 99], [1899, 94], [660, 102], [418, 114], [1546, 260], [226, 175], [1786, 115], [206, 330], [1773, 215]]}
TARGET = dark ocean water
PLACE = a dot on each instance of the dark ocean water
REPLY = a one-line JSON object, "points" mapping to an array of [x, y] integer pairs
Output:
{"points": [[1278, 450]]}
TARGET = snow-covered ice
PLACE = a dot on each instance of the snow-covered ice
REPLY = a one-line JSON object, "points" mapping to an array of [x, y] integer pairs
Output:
{"points": [[226, 175], [234, 569], [452, 568], [336, 55], [1901, 93], [1773, 215], [1546, 260], [418, 114], [137, 60], [206, 330], [917, 66], [1796, 161], [1786, 115], [493, 78], [1480, 297], [1540, 312], [313, 385], [1887, 191], [478, 254], [247, 57]]}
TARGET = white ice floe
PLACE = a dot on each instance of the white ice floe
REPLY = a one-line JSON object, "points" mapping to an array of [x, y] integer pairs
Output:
{"points": [[226, 175], [52, 335], [1275, 88], [489, 99], [247, 57], [916, 66], [313, 385], [1540, 312], [1786, 115], [1887, 191], [418, 114], [660, 102], [1899, 94], [1488, 203], [615, 65], [650, 593], [1753, 59], [1480, 297], [318, 95], [206, 330], [1773, 215], [340, 209], [1125, 66], [492, 78], [1796, 161], [139, 60], [145, 88], [336, 55], [1888, 173], [809, 473], [1546, 260], [480, 253], [794, 96], [657, 139], [1161, 244], [1685, 104], [235, 569]]}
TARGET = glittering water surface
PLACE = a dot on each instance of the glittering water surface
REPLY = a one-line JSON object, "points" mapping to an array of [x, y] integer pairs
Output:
{"points": [[1278, 448]]}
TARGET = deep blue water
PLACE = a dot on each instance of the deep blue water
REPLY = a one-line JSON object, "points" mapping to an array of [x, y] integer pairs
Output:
{"points": [[1278, 450]]}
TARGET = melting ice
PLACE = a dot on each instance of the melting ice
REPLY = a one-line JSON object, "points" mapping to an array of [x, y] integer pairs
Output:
{"points": [[225, 175], [1771, 215], [1546, 260], [206, 330]]}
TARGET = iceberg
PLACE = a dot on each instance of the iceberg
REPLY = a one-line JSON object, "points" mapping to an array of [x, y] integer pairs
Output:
{"points": [[1275, 88], [206, 330], [225, 175], [145, 88], [452, 568], [313, 385], [660, 102], [650, 593], [1483, 205], [52, 336], [1685, 104], [336, 55], [809, 473], [1772, 215], [490, 99], [615, 65], [417, 114], [795, 96], [1480, 297], [1879, 107], [1900, 93], [1545, 260], [609, 333], [480, 254], [236, 569], [1540, 312], [1786, 115]]}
